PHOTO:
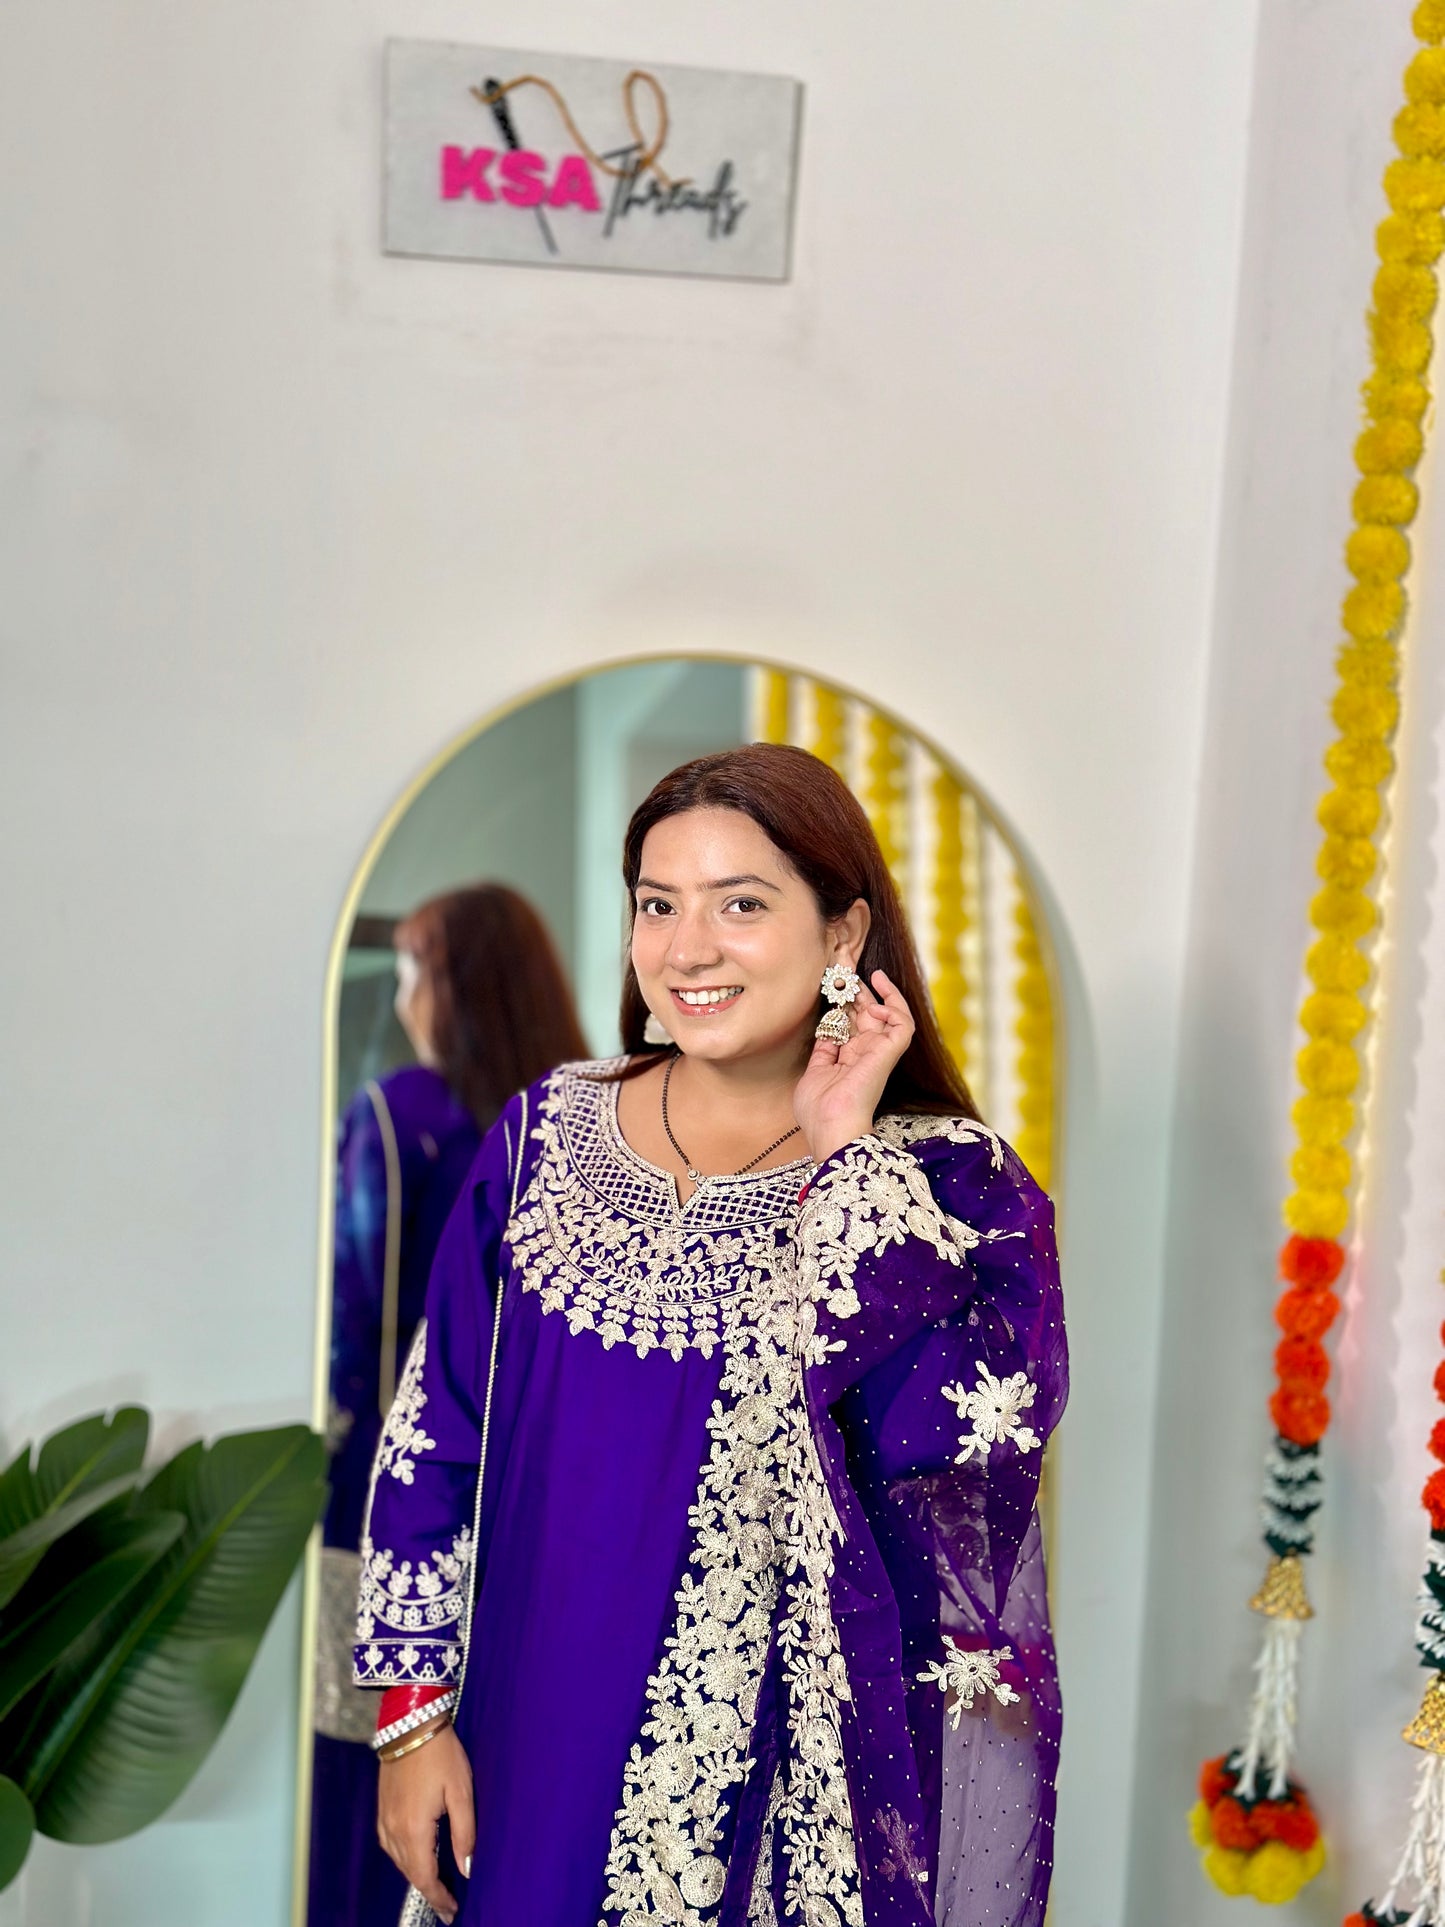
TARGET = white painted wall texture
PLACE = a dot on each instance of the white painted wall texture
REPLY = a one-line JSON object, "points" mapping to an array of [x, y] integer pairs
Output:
{"points": [[281, 516]]}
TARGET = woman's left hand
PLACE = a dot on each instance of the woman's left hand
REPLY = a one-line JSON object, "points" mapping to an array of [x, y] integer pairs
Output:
{"points": [[840, 1090]]}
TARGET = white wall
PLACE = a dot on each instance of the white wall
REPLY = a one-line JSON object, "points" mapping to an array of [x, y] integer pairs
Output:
{"points": [[1327, 87], [489, 815], [281, 515]]}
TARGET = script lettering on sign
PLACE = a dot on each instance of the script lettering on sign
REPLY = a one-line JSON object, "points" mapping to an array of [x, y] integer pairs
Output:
{"points": [[561, 161]]}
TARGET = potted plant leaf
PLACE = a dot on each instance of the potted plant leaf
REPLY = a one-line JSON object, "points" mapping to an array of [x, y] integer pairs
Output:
{"points": [[131, 1608]]}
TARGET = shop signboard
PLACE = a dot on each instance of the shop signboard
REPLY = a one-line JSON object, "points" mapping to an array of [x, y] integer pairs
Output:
{"points": [[558, 160]]}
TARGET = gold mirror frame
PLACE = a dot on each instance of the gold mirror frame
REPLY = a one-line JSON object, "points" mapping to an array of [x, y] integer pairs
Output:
{"points": [[794, 705]]}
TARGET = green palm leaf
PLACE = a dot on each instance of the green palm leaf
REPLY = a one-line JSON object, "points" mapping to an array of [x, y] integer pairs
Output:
{"points": [[17, 1829], [135, 1706], [88, 1572], [77, 1471]]}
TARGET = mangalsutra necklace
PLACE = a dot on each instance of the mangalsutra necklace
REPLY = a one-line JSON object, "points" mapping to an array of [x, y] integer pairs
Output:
{"points": [[697, 1176]]}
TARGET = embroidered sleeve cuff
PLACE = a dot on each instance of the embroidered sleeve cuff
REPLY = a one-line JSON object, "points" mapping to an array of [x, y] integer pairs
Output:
{"points": [[407, 1615], [407, 1662]]}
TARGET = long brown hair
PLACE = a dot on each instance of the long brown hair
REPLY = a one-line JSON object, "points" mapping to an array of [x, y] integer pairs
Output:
{"points": [[503, 1010], [810, 814]]}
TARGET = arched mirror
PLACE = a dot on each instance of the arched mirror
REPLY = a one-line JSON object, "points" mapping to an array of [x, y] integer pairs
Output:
{"points": [[537, 800]]}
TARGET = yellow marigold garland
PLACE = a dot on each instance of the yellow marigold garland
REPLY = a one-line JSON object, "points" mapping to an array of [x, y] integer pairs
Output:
{"points": [[885, 792], [830, 728], [775, 702], [949, 987], [1258, 1833], [1034, 1029]]}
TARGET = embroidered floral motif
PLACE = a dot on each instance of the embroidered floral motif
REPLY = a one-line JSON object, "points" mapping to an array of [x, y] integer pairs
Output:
{"points": [[402, 1435], [763, 1526], [815, 1817], [761, 1911], [963, 1675], [904, 1129], [433, 1663], [599, 1236], [992, 1409], [870, 1197], [397, 1604], [903, 1860]]}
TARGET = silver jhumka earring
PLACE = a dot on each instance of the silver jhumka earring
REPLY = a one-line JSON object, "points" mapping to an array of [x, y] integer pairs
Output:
{"points": [[841, 984], [654, 1031]]}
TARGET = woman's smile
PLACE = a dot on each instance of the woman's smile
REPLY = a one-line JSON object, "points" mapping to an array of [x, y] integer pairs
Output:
{"points": [[706, 1000]]}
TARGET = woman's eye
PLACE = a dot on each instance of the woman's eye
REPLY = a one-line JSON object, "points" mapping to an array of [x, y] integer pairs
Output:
{"points": [[654, 907], [745, 903]]}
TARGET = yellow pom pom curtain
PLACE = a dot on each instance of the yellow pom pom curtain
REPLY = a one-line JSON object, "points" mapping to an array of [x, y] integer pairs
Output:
{"points": [[1258, 1834], [971, 903]]}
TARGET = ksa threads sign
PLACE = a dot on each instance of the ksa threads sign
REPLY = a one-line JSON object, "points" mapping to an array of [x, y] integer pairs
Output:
{"points": [[555, 160]]}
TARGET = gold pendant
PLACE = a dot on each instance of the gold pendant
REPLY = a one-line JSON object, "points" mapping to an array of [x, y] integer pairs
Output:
{"points": [[1283, 1596], [1427, 1729]]}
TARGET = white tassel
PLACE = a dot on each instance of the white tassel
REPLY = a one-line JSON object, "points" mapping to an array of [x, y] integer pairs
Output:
{"points": [[1422, 1864], [1270, 1742]]}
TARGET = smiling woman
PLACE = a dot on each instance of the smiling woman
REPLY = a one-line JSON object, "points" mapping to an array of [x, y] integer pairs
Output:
{"points": [[778, 822], [751, 1370], [784, 1437]]}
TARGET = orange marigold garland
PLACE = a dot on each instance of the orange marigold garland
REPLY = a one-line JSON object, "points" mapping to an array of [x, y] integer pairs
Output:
{"points": [[1254, 1823]]}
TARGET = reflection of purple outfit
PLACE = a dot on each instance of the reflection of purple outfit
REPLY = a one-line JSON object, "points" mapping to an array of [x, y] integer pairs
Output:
{"points": [[436, 1141], [751, 1468], [353, 1883]]}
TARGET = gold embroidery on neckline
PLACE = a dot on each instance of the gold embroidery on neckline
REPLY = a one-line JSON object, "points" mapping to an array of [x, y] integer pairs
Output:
{"points": [[599, 1236]]}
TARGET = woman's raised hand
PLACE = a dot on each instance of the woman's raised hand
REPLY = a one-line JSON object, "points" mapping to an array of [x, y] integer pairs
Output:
{"points": [[415, 1792], [840, 1090]]}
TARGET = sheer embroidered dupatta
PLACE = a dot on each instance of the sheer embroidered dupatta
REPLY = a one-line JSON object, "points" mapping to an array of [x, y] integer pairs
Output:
{"points": [[930, 1403]]}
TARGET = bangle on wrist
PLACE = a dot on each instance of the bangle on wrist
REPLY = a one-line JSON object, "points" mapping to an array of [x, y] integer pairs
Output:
{"points": [[438, 1707], [410, 1746], [398, 1701]]}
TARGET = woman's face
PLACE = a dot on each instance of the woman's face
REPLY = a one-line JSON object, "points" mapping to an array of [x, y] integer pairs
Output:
{"points": [[727, 940], [414, 1005]]}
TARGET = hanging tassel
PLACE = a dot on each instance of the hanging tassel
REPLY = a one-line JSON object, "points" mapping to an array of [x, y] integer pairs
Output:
{"points": [[1420, 1873], [1257, 1830], [1270, 1742]]}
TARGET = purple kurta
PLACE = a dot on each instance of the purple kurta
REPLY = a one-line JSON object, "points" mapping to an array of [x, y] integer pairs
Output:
{"points": [[759, 1631]]}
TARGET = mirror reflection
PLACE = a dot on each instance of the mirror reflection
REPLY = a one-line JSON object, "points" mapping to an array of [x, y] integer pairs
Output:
{"points": [[487, 947], [483, 1006]]}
